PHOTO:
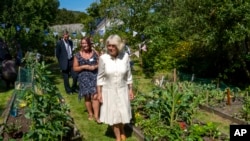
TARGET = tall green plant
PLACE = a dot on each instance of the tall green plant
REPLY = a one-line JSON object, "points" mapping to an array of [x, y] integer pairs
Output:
{"points": [[50, 118], [176, 102]]}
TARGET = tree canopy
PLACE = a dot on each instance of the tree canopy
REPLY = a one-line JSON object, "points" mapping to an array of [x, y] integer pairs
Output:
{"points": [[28, 21], [209, 38]]}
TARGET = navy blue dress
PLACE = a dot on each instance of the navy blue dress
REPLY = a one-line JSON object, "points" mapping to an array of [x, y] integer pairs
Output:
{"points": [[87, 78]]}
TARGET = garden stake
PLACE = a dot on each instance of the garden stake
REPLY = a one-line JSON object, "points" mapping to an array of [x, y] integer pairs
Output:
{"points": [[218, 83], [174, 75], [19, 70], [228, 97], [207, 97], [173, 106], [162, 79]]}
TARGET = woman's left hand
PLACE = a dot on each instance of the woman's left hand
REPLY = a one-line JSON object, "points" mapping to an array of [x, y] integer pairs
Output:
{"points": [[131, 95], [92, 67]]}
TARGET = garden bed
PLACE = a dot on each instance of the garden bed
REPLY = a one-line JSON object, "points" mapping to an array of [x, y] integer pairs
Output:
{"points": [[225, 112], [232, 112], [16, 125], [140, 136], [137, 131], [19, 122]]}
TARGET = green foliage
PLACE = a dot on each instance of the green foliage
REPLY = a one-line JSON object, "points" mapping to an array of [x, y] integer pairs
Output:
{"points": [[12, 127], [65, 16], [176, 102], [196, 131], [50, 118], [246, 109], [155, 130], [159, 112], [213, 36], [32, 14]]}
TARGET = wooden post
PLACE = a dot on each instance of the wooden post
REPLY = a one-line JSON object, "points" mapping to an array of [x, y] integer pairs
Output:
{"points": [[218, 83], [19, 74], [175, 75], [162, 79], [207, 97], [192, 78], [228, 97]]}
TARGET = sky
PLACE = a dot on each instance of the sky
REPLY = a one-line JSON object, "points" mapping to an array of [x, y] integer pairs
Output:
{"points": [[76, 5]]}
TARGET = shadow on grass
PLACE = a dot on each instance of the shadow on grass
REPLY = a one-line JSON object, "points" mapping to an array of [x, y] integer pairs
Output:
{"points": [[5, 98], [2, 109], [55, 72], [109, 132], [3, 88]]}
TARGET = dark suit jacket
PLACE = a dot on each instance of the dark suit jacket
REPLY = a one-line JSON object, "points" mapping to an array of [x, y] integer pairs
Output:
{"points": [[62, 55]]}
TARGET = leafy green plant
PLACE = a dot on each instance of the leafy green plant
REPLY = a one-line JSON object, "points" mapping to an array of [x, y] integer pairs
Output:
{"points": [[11, 128], [176, 102], [246, 109], [50, 118], [197, 131], [155, 129]]}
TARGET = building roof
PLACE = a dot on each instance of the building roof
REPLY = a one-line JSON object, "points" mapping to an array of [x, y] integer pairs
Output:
{"points": [[77, 27]]}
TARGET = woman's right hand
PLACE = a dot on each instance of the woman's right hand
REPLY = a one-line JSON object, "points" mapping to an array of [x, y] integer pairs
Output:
{"points": [[88, 67], [99, 97]]}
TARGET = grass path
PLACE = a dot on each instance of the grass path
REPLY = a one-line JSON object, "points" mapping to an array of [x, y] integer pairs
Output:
{"points": [[90, 130], [5, 97]]}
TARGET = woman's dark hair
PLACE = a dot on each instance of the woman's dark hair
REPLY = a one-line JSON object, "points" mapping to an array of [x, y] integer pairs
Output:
{"points": [[88, 40]]}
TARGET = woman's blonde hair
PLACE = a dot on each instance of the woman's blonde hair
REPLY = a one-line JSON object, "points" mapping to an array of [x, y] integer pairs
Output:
{"points": [[116, 40]]}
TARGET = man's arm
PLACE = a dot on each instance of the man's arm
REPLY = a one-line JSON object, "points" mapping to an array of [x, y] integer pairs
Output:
{"points": [[58, 49]]}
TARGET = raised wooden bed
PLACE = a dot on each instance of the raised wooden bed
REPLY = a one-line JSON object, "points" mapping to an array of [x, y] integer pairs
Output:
{"points": [[222, 114], [137, 132], [19, 119]]}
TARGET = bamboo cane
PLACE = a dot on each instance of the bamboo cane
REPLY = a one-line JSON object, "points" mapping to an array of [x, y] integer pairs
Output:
{"points": [[228, 97]]}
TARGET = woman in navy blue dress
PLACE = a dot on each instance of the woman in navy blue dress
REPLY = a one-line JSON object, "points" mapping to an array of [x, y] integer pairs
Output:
{"points": [[86, 64]]}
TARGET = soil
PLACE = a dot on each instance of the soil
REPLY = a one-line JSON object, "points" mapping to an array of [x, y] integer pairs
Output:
{"points": [[233, 109], [20, 121]]}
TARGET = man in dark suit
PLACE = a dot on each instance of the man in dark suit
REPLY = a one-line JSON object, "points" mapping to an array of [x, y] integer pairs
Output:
{"points": [[64, 54]]}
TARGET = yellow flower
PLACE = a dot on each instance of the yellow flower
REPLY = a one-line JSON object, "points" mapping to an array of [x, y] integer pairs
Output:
{"points": [[22, 104]]}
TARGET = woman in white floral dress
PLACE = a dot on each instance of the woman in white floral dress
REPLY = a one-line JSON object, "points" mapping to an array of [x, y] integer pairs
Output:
{"points": [[114, 86]]}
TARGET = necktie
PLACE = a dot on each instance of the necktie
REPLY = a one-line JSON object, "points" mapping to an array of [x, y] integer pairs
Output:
{"points": [[68, 49]]}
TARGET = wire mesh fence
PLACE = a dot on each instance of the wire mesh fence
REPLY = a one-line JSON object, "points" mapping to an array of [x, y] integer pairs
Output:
{"points": [[24, 79]]}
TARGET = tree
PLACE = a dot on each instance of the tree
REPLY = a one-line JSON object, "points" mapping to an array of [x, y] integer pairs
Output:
{"points": [[32, 14], [207, 37]]}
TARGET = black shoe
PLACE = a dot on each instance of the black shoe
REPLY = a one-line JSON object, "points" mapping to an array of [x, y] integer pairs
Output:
{"points": [[69, 93], [75, 90]]}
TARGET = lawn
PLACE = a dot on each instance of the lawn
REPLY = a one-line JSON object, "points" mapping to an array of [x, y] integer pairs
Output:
{"points": [[221, 123], [5, 96]]}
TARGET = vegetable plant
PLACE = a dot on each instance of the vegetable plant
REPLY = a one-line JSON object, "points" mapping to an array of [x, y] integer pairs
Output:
{"points": [[50, 117]]}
